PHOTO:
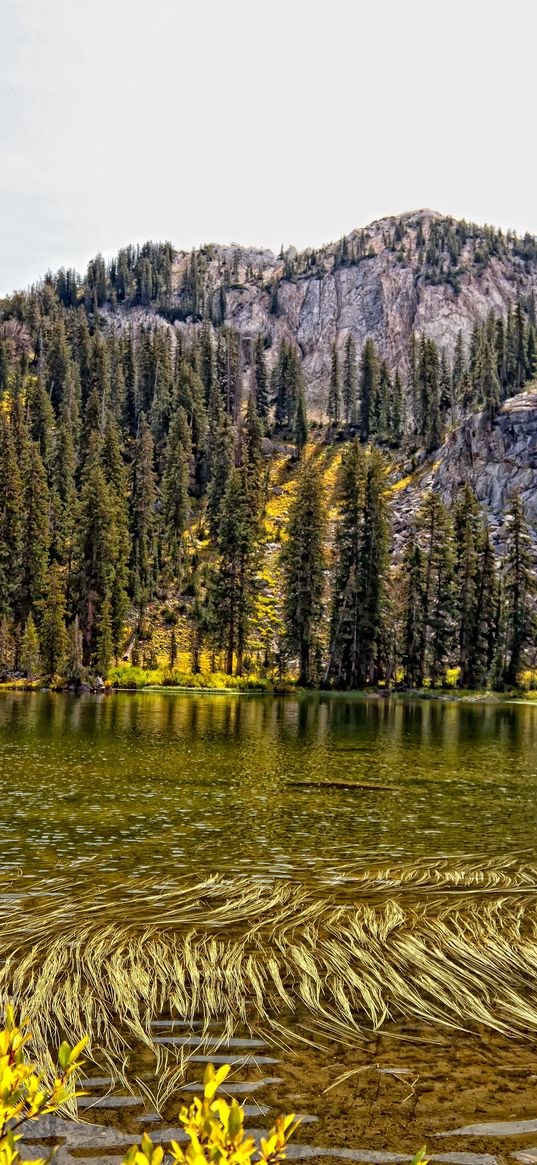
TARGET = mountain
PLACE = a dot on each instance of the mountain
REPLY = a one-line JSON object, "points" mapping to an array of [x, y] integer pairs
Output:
{"points": [[420, 272], [230, 459]]}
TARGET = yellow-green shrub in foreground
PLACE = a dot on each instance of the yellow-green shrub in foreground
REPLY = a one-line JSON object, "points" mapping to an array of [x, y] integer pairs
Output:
{"points": [[23, 1095], [215, 1128]]}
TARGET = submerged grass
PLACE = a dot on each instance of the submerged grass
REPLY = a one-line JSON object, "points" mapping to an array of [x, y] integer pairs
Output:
{"points": [[452, 942]]}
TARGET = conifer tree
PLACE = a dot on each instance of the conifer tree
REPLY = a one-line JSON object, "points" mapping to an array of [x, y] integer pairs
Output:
{"points": [[96, 549], [304, 566], [104, 637], [261, 379], [334, 392], [438, 596], [301, 428], [342, 663], [53, 634], [232, 589], [397, 412], [175, 485], [413, 606], [350, 384], [222, 459], [30, 658], [11, 519], [369, 388], [467, 529], [143, 520], [519, 590], [35, 530], [485, 630]]}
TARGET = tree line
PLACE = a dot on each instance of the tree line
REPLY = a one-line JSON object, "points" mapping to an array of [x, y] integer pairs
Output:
{"points": [[133, 463], [355, 616]]}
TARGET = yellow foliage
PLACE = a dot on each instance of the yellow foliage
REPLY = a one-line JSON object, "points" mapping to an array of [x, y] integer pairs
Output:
{"points": [[216, 1133], [24, 1095]]}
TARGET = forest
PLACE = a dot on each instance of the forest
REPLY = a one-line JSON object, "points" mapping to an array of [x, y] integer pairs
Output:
{"points": [[139, 459]]}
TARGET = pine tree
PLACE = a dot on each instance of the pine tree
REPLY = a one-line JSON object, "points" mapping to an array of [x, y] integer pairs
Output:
{"points": [[175, 486], [342, 663], [52, 633], [30, 658], [439, 597], [11, 520], [104, 637], [74, 652], [222, 459], [143, 521], [485, 630], [261, 379], [303, 559], [413, 608], [232, 589], [369, 388], [350, 384], [467, 529], [519, 590], [490, 385], [384, 402], [35, 530], [397, 412], [96, 550], [334, 392], [301, 428], [372, 571]]}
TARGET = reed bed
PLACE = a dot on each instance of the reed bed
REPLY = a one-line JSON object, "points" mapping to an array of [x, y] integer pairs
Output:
{"points": [[450, 942]]}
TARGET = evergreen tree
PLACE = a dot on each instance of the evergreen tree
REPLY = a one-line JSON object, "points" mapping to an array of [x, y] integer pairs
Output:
{"points": [[143, 520], [467, 529], [11, 520], [413, 605], [304, 566], [30, 658], [96, 550], [104, 637], [221, 465], [438, 597], [350, 384], [175, 485], [301, 428], [232, 590], [369, 388], [53, 634], [485, 630], [519, 590], [334, 392], [261, 379], [35, 530]]}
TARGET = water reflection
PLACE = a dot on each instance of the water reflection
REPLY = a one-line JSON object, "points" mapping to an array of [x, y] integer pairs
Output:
{"points": [[211, 780]]}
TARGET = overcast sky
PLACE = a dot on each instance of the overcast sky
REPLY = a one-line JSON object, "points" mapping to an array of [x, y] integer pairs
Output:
{"points": [[289, 121]]}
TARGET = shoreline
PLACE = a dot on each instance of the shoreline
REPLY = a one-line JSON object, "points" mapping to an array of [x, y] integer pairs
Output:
{"points": [[443, 695]]}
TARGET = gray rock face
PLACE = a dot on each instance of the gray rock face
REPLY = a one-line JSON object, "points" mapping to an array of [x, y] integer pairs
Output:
{"points": [[386, 295], [497, 459]]}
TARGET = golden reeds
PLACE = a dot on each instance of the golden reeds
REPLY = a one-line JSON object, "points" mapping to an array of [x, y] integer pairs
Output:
{"points": [[452, 942]]}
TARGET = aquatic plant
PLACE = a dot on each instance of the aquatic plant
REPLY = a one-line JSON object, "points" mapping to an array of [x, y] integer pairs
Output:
{"points": [[451, 942]]}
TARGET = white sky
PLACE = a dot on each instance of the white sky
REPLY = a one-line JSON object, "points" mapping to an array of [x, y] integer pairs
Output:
{"points": [[287, 121]]}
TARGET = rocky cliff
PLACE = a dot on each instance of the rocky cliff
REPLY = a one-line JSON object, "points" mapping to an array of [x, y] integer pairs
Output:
{"points": [[418, 272], [496, 458]]}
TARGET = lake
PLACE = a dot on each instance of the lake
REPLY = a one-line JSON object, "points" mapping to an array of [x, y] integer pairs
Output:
{"points": [[110, 795]]}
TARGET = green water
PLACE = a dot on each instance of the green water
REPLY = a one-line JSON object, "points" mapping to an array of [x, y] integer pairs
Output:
{"points": [[167, 783]]}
